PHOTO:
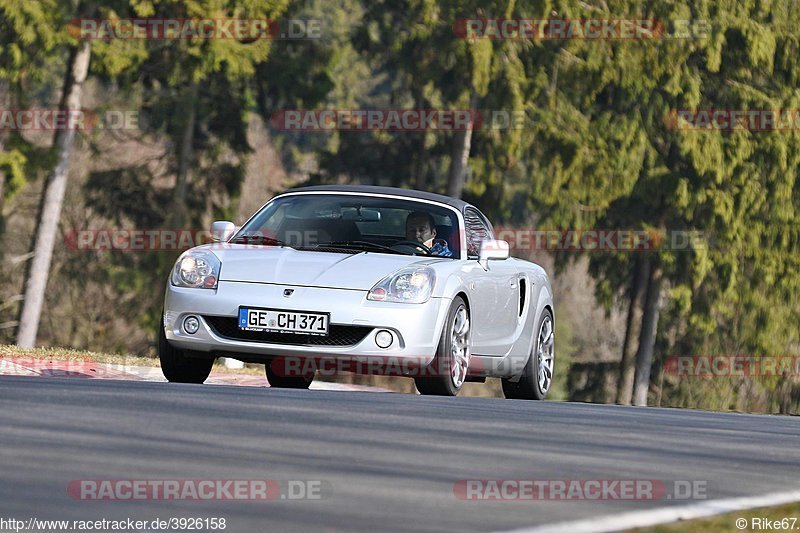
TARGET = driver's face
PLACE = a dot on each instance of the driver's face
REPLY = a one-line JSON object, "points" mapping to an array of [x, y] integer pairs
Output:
{"points": [[419, 229]]}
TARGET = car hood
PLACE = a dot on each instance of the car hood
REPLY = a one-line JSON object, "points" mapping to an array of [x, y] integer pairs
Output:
{"points": [[287, 266]]}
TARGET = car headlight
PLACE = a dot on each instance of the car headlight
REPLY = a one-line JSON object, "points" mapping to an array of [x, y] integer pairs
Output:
{"points": [[412, 285], [196, 269]]}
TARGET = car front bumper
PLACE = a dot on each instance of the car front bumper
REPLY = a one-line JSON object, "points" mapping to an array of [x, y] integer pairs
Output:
{"points": [[416, 327]]}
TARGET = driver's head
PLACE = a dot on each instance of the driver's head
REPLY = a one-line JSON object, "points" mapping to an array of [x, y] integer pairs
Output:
{"points": [[420, 227]]}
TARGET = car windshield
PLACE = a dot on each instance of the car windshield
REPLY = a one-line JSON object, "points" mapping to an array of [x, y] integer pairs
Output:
{"points": [[354, 223]]}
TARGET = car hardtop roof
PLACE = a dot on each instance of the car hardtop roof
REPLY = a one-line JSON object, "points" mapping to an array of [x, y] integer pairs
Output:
{"points": [[394, 191]]}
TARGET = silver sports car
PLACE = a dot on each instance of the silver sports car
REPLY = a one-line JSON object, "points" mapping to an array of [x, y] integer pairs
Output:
{"points": [[362, 279]]}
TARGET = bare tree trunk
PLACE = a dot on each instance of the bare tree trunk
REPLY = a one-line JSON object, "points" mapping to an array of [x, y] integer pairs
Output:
{"points": [[420, 165], [641, 273], [455, 179], [185, 159], [52, 201], [462, 141], [2, 207], [647, 337], [5, 102]]}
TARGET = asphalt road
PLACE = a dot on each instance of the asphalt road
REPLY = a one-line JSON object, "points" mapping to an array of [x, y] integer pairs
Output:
{"points": [[389, 461]]}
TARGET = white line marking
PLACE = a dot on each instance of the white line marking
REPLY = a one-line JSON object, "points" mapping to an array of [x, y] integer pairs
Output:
{"points": [[664, 515]]}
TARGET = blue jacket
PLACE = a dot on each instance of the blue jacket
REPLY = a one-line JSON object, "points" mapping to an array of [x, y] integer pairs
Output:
{"points": [[440, 248]]}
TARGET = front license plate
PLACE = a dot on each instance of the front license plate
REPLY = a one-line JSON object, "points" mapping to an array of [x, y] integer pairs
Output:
{"points": [[283, 321]]}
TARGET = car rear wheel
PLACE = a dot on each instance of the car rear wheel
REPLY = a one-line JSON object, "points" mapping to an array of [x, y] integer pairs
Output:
{"points": [[177, 365], [537, 376], [447, 373], [279, 380]]}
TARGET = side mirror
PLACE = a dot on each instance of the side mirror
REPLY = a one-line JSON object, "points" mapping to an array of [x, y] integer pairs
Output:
{"points": [[492, 250], [222, 230]]}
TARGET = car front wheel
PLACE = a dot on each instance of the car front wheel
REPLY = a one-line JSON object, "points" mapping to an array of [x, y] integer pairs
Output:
{"points": [[177, 366], [446, 375], [537, 376]]}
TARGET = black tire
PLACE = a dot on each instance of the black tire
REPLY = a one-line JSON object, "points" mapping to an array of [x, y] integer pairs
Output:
{"points": [[528, 386], [438, 379], [279, 381], [177, 366]]}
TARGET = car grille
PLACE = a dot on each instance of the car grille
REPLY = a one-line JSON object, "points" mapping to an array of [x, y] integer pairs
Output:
{"points": [[338, 335]]}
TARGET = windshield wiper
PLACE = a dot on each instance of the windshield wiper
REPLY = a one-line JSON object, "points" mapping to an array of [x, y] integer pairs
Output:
{"points": [[364, 244], [257, 239]]}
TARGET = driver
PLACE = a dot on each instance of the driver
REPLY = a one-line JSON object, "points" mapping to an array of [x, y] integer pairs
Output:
{"points": [[421, 228]]}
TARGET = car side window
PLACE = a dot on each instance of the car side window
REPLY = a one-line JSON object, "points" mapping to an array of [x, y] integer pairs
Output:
{"points": [[477, 230]]}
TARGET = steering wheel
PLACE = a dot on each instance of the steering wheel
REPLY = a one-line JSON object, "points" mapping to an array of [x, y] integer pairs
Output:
{"points": [[415, 244]]}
